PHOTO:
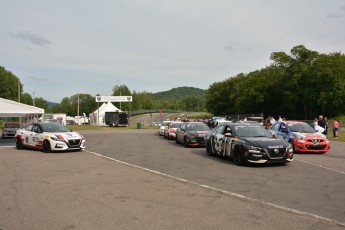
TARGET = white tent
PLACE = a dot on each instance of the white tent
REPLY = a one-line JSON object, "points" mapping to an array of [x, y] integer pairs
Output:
{"points": [[10, 108], [99, 114]]}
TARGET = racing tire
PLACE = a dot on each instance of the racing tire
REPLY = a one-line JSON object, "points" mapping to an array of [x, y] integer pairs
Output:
{"points": [[213, 148], [209, 149], [185, 142], [19, 143], [239, 158], [46, 147]]}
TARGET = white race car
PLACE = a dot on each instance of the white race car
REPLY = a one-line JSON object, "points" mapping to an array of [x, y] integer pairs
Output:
{"points": [[48, 136]]}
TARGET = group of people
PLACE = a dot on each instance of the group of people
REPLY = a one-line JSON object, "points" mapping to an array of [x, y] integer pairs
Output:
{"points": [[271, 121], [321, 125]]}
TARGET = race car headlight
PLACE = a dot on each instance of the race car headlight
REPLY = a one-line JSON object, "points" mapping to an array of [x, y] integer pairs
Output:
{"points": [[292, 136], [301, 137], [191, 136], [252, 149], [289, 149], [57, 138]]}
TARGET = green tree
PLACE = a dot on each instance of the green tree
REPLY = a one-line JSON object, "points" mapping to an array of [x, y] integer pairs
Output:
{"points": [[26, 98], [41, 103], [121, 90], [9, 85]]}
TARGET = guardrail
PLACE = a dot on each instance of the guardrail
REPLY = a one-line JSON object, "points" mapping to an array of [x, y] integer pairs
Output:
{"points": [[146, 111]]}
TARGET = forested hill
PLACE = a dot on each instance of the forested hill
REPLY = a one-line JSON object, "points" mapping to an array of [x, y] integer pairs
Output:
{"points": [[179, 93]]}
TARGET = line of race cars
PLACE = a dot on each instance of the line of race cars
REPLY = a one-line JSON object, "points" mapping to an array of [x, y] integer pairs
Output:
{"points": [[243, 142], [248, 142]]}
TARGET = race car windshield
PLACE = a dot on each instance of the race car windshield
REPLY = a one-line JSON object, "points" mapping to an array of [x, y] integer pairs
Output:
{"points": [[252, 131], [175, 125], [301, 128], [54, 128], [197, 127]]}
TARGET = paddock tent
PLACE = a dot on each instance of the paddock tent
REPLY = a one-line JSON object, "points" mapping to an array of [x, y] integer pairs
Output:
{"points": [[100, 113], [10, 108]]}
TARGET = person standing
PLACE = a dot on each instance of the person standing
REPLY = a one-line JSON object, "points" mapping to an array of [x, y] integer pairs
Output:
{"points": [[321, 122], [335, 128], [326, 126]]}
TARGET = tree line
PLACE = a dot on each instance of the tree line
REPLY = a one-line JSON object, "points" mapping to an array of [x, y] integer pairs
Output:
{"points": [[182, 98], [301, 85]]}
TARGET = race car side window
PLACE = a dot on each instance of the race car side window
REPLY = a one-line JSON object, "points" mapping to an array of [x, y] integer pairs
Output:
{"points": [[37, 129], [220, 129], [275, 127], [29, 128]]}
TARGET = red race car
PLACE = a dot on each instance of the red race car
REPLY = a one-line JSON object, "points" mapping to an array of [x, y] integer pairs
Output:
{"points": [[302, 136]]}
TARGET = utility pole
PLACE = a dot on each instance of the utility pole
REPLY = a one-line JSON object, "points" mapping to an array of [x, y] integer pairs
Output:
{"points": [[78, 111], [33, 98], [18, 92]]}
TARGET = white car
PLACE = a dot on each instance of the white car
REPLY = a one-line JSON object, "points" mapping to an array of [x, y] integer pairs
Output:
{"points": [[163, 126], [48, 136], [10, 129]]}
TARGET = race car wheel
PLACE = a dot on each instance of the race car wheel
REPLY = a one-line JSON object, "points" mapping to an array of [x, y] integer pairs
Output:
{"points": [[209, 149], [213, 147], [185, 142], [238, 157], [19, 143], [46, 147]]}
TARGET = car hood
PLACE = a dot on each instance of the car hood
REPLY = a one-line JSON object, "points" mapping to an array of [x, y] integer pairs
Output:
{"points": [[265, 142], [310, 135], [198, 133], [67, 135]]}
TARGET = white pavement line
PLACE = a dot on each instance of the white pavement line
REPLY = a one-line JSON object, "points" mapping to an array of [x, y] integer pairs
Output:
{"points": [[320, 166], [226, 192]]}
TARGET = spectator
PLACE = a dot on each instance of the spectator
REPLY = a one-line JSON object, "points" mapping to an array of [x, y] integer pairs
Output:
{"points": [[280, 119], [335, 128], [326, 126], [272, 121], [315, 123], [268, 123], [323, 124]]}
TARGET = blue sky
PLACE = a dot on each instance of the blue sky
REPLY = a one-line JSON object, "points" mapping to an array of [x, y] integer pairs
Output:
{"points": [[61, 48]]}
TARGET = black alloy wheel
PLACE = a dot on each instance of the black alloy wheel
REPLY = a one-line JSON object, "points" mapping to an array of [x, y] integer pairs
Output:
{"points": [[185, 142], [46, 147], [19, 143], [238, 157], [209, 148]]}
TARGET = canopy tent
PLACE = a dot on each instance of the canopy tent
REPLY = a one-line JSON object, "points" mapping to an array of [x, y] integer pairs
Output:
{"points": [[99, 114], [10, 108]]}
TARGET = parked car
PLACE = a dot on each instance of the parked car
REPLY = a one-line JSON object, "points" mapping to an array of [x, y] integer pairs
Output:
{"points": [[48, 136], [163, 126], [170, 130], [9, 129], [302, 136], [192, 134], [248, 143]]}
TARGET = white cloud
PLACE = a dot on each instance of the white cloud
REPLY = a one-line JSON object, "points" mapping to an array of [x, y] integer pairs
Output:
{"points": [[152, 45]]}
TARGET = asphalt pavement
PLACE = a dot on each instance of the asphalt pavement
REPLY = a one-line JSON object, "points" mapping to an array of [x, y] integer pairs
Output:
{"points": [[89, 190]]}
